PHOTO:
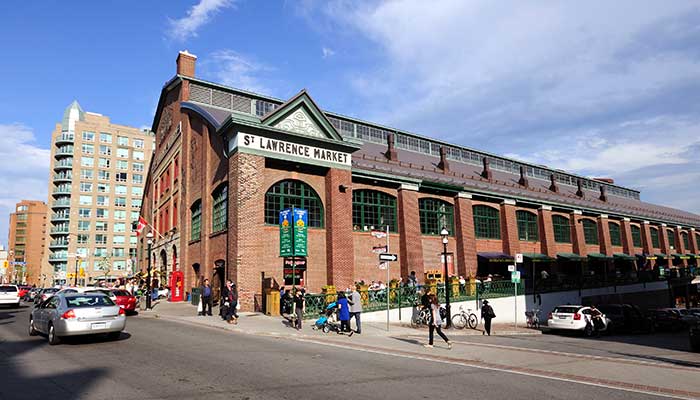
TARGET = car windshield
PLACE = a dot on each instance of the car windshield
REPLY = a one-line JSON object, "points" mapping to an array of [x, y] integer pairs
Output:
{"points": [[121, 293], [89, 300], [566, 310], [8, 289]]}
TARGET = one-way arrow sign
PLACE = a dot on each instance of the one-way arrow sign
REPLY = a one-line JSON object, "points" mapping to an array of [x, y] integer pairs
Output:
{"points": [[388, 257]]}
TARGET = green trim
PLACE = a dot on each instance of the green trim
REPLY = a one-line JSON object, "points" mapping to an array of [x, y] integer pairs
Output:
{"points": [[680, 256], [373, 208], [434, 214], [528, 226], [379, 176], [599, 256], [571, 257], [538, 257], [625, 257], [441, 186]]}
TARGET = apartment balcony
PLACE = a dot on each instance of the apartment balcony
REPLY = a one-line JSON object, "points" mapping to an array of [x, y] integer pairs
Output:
{"points": [[64, 151], [60, 257], [63, 177], [59, 230], [58, 244], [66, 163], [60, 217], [65, 138], [61, 190], [61, 203]]}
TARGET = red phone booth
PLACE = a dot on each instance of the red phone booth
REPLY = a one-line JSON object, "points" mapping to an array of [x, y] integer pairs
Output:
{"points": [[176, 286]]}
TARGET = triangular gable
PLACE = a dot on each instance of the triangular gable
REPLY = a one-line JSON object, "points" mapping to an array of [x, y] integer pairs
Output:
{"points": [[301, 115]]}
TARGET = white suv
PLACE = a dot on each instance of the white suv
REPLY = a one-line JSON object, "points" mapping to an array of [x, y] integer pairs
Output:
{"points": [[9, 294], [575, 318]]}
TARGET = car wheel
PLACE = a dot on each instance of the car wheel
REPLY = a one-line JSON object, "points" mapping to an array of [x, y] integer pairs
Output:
{"points": [[588, 331], [32, 330], [53, 339]]}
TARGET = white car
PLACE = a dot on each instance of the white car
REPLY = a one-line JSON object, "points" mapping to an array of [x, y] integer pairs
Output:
{"points": [[9, 295], [573, 318]]}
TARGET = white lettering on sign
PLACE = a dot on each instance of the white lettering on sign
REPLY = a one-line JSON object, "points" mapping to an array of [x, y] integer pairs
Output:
{"points": [[281, 147]]}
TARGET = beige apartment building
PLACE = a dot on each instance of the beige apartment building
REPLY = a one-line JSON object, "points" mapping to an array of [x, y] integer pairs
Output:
{"points": [[26, 242], [98, 171]]}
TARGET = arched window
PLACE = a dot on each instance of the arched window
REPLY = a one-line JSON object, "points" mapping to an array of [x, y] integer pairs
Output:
{"points": [[293, 193], [671, 238], [615, 237], [196, 220], [562, 230], [697, 241], [219, 209], [654, 234], [590, 231], [434, 215], [636, 236], [372, 208], [487, 222], [686, 243], [527, 226]]}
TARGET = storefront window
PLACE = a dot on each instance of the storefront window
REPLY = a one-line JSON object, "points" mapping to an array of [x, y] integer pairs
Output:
{"points": [[527, 226], [487, 222], [434, 215], [293, 193]]}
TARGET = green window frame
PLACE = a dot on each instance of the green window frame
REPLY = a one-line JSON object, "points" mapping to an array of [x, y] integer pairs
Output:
{"points": [[697, 241], [293, 193], [434, 215], [528, 228], [615, 236], [562, 229], [487, 222], [196, 220], [219, 209], [654, 234], [686, 242], [671, 238], [373, 208], [636, 236], [590, 231]]}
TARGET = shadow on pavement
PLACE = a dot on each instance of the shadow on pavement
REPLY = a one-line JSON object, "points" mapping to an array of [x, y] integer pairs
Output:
{"points": [[410, 341]]}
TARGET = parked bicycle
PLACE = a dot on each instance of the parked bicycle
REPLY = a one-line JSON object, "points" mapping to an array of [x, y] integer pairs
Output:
{"points": [[532, 318], [464, 319], [420, 317]]}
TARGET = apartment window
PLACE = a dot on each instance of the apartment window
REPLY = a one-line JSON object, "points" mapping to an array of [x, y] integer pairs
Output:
{"points": [[118, 239], [120, 202], [122, 140], [105, 150], [100, 252], [119, 227], [136, 178], [562, 230], [103, 187], [84, 212], [20, 232], [86, 174], [697, 241], [88, 136], [102, 213], [434, 215], [174, 213], [123, 153], [636, 236], [487, 222], [83, 238], [88, 148], [102, 201], [135, 203], [120, 215], [134, 216], [101, 226], [137, 166], [103, 175], [122, 164], [196, 220], [121, 177], [136, 191], [671, 238], [83, 225], [219, 211], [120, 189], [105, 137], [86, 200], [615, 237], [87, 161], [118, 252], [82, 252], [176, 168], [654, 234], [590, 231], [138, 155], [119, 265], [103, 163], [22, 208], [85, 187], [138, 143], [100, 239], [527, 226]]}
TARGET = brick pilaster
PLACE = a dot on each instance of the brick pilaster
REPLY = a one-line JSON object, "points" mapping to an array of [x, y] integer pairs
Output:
{"points": [[547, 231], [646, 238], [663, 242], [578, 240], [509, 228], [680, 247], [626, 232], [410, 248], [340, 256], [466, 241], [692, 241], [604, 235]]}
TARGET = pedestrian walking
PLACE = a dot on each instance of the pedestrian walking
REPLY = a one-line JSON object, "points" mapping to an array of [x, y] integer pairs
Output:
{"points": [[356, 308], [232, 299], [282, 300], [435, 322], [299, 304], [344, 313], [487, 315], [206, 298]]}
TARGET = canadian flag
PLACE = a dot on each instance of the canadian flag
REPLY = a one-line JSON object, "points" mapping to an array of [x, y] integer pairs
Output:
{"points": [[142, 224]]}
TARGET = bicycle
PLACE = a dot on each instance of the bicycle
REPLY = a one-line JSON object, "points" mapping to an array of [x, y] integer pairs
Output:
{"points": [[420, 317], [533, 318], [464, 319]]}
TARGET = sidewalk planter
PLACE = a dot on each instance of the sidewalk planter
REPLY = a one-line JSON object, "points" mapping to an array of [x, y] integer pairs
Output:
{"points": [[330, 294], [454, 283], [393, 290], [364, 294]]}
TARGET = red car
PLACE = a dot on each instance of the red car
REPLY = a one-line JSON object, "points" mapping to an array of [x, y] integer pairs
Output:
{"points": [[125, 300], [23, 290]]}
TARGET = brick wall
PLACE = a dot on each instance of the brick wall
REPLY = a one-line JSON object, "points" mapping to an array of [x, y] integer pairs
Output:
{"points": [[339, 236], [466, 242], [410, 255], [509, 229]]}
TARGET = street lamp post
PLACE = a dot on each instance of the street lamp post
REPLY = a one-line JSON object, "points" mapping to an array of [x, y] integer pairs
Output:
{"points": [[75, 278], [445, 233], [149, 235]]}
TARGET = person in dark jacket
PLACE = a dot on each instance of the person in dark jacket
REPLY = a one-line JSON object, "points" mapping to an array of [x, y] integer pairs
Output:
{"points": [[207, 293], [299, 303], [224, 304], [232, 299], [344, 313], [487, 315]]}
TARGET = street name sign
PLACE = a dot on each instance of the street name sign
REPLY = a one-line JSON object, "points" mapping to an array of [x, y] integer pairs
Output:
{"points": [[388, 257]]}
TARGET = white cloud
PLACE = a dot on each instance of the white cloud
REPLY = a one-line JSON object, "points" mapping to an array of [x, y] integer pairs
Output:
{"points": [[327, 52], [237, 70], [197, 16], [24, 171]]}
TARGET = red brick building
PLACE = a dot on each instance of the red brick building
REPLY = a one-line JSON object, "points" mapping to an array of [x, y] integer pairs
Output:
{"points": [[227, 161]]}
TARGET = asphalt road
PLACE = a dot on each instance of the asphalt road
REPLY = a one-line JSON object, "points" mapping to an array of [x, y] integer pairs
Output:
{"points": [[159, 359]]}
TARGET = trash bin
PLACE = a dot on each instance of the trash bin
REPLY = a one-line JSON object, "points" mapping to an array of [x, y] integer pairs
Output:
{"points": [[272, 302], [195, 296]]}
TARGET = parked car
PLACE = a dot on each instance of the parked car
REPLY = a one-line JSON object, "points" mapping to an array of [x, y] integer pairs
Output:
{"points": [[125, 300], [687, 317], [30, 295], [573, 318], [666, 319], [45, 294], [694, 336], [9, 295], [74, 314], [626, 318]]}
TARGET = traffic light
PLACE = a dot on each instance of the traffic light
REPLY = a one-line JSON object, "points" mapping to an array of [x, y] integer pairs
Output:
{"points": [[5, 264], [82, 272]]}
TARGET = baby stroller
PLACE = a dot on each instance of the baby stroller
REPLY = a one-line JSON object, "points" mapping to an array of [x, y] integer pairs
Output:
{"points": [[328, 321]]}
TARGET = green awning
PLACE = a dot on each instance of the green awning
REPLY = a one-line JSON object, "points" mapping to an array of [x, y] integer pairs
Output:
{"points": [[599, 256], [538, 257], [680, 256], [625, 257], [571, 257], [661, 256], [646, 256], [693, 255]]}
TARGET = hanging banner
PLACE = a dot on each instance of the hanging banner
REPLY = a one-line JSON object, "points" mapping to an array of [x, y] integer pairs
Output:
{"points": [[301, 222], [379, 249], [286, 249]]}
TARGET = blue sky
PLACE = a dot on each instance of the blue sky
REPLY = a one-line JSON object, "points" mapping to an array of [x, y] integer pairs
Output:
{"points": [[598, 89]]}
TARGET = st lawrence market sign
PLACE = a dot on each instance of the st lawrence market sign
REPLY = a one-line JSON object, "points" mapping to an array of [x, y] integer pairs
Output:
{"points": [[293, 151]]}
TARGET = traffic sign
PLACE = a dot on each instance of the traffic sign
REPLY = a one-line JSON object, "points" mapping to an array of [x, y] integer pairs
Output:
{"points": [[515, 276], [519, 258], [511, 268], [388, 257]]}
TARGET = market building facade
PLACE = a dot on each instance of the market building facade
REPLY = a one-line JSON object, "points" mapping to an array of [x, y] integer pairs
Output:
{"points": [[231, 160]]}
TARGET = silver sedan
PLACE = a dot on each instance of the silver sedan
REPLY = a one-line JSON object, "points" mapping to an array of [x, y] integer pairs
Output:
{"points": [[73, 314]]}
